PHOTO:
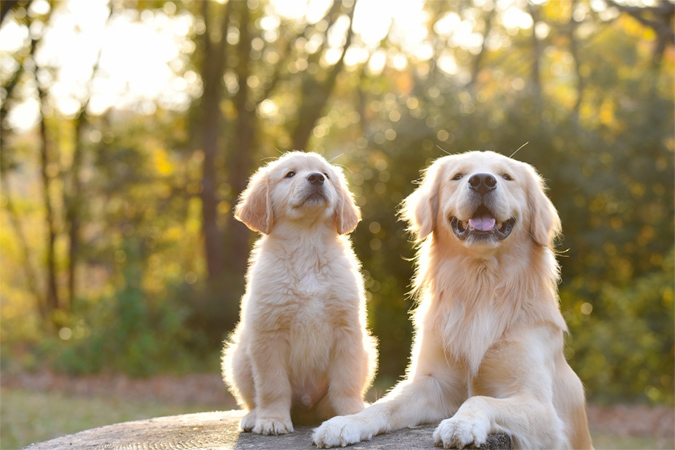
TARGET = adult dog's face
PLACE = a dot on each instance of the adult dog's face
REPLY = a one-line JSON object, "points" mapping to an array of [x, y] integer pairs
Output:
{"points": [[300, 188], [482, 200]]}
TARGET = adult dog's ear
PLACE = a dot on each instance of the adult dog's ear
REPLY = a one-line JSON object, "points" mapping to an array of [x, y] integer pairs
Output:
{"points": [[255, 204], [545, 223], [420, 208], [347, 214]]}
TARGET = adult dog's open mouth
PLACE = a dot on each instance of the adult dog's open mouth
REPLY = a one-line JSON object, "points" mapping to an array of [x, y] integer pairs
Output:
{"points": [[482, 225]]}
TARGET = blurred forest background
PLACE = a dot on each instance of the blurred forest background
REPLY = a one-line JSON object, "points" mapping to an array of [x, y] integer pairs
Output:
{"points": [[130, 127]]}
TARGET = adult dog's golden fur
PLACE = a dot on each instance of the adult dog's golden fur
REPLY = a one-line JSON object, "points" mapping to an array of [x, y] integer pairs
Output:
{"points": [[488, 349], [301, 347]]}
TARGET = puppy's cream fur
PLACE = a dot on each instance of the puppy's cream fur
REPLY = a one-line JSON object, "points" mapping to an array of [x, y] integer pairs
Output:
{"points": [[488, 348], [301, 346]]}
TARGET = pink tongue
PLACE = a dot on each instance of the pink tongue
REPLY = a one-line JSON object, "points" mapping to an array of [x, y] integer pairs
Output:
{"points": [[482, 223]]}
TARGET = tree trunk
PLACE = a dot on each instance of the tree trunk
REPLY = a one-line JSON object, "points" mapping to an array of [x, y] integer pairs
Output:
{"points": [[535, 77], [212, 69], [315, 95], [52, 297], [73, 203], [45, 304], [240, 161], [574, 50], [476, 65], [31, 278], [73, 190]]}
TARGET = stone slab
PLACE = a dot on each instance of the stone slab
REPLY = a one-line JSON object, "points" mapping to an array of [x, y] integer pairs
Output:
{"points": [[220, 430]]}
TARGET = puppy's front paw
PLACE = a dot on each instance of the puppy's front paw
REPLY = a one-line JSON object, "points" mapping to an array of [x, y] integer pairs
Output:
{"points": [[248, 421], [345, 406], [272, 426], [337, 432], [460, 432]]}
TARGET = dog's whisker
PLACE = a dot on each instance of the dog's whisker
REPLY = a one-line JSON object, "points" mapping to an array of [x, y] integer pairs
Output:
{"points": [[343, 166], [518, 149], [443, 150], [330, 161]]}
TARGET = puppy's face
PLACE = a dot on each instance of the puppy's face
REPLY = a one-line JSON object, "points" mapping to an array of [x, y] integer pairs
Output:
{"points": [[482, 200], [303, 186], [300, 188]]}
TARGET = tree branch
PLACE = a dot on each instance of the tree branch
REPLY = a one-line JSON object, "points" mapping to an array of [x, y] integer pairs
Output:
{"points": [[476, 66], [7, 5], [666, 10]]}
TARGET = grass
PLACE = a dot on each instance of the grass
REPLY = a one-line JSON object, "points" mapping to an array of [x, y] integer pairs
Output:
{"points": [[27, 417], [607, 441]]}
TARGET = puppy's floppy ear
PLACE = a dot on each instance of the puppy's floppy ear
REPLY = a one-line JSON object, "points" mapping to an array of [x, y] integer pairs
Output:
{"points": [[420, 208], [347, 214], [255, 203], [545, 223]]}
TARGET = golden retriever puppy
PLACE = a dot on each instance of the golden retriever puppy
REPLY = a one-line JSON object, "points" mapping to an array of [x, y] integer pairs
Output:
{"points": [[301, 345], [488, 347]]}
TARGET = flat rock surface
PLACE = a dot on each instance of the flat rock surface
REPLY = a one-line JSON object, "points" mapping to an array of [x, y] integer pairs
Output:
{"points": [[220, 430]]}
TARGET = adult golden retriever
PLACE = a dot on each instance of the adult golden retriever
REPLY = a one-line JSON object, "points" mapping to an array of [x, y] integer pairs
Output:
{"points": [[301, 345], [488, 349]]}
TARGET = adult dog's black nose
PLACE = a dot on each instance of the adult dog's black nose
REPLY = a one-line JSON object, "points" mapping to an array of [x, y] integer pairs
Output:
{"points": [[316, 178], [482, 183]]}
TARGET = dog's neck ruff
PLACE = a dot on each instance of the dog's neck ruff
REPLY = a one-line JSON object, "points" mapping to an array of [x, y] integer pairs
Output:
{"points": [[470, 302], [305, 229], [320, 242]]}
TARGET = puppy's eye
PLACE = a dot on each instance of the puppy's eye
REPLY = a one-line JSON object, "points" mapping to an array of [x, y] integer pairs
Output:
{"points": [[326, 175], [507, 177], [290, 174], [459, 176]]}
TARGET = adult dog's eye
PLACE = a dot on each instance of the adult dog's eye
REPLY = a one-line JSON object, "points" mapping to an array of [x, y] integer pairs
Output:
{"points": [[290, 174], [507, 177], [458, 176]]}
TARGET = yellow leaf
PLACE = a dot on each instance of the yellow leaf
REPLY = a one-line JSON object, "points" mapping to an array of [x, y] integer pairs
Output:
{"points": [[161, 163]]}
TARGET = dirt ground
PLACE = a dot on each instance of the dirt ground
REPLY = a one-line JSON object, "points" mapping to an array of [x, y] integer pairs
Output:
{"points": [[209, 390]]}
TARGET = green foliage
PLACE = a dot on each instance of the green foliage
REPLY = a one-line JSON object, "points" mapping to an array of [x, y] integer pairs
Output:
{"points": [[622, 342], [132, 332], [613, 188], [599, 123], [125, 334]]}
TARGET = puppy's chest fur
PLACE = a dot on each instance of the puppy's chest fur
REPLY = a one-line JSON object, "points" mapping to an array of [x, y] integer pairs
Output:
{"points": [[303, 285], [305, 295]]}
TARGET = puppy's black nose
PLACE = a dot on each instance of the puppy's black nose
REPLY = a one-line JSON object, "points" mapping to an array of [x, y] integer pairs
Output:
{"points": [[482, 183], [316, 178]]}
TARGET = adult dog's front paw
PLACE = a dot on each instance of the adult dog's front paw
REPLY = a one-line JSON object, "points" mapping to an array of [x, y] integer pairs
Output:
{"points": [[272, 426], [460, 432], [337, 432]]}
